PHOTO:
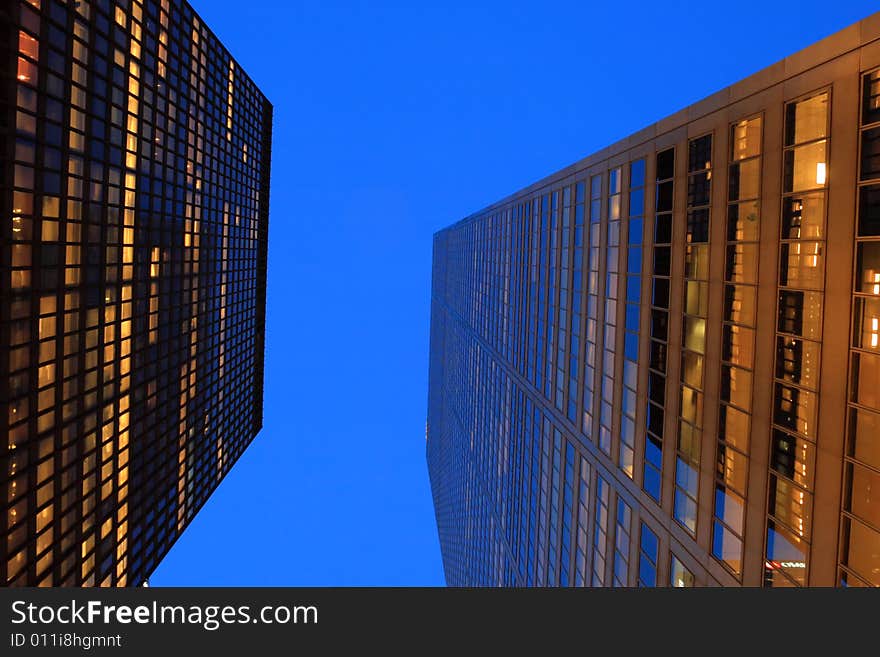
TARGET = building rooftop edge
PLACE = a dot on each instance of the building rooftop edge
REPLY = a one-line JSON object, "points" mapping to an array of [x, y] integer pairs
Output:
{"points": [[842, 42]]}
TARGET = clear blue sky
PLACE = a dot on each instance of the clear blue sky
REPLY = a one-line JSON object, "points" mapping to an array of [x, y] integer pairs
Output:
{"points": [[393, 120]]}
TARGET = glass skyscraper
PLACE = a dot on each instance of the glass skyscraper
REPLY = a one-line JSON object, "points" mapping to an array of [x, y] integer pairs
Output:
{"points": [[134, 187], [661, 365]]}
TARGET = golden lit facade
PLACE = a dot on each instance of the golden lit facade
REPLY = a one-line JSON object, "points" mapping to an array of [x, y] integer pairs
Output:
{"points": [[132, 273], [660, 366]]}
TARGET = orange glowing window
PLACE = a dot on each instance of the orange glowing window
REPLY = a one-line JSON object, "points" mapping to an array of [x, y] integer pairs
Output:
{"points": [[28, 45], [27, 71]]}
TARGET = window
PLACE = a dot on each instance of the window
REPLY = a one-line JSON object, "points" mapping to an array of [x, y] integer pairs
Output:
{"points": [[621, 544], [679, 576], [648, 551]]}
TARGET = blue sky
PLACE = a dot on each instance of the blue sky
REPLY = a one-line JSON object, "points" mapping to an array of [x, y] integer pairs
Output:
{"points": [[393, 120]]}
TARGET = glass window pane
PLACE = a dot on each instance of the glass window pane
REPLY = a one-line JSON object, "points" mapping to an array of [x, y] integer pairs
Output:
{"points": [[661, 260], [637, 173], [866, 323], [805, 167], [795, 409], [739, 304], [742, 263], [737, 345], [871, 98], [745, 180], [870, 154], [864, 492], [806, 120], [685, 510], [692, 369], [791, 505], [862, 550], [696, 300], [803, 217], [866, 375], [730, 507], [694, 334], [733, 427], [745, 139], [869, 211], [868, 268], [743, 222], [786, 552], [661, 293], [663, 229], [679, 576], [736, 386], [797, 361], [696, 264], [732, 468], [666, 164], [800, 313], [793, 457], [802, 265], [700, 153], [864, 436], [727, 547]]}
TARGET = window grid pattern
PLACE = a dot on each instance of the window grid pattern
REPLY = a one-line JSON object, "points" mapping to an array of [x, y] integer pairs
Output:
{"points": [[860, 519], [134, 290]]}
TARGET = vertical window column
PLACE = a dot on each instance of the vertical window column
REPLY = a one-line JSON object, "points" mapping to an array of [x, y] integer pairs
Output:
{"points": [[798, 341], [648, 555], [600, 531], [553, 297], [592, 325], [629, 384], [609, 339], [555, 493], [661, 263], [693, 334], [583, 526], [860, 519], [737, 342], [564, 299], [621, 543], [576, 302], [567, 516]]}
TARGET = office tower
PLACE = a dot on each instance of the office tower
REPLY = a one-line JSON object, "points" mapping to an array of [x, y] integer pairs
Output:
{"points": [[134, 184], [660, 365]]}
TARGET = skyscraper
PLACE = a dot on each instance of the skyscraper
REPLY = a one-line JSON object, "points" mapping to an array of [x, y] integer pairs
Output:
{"points": [[134, 186], [660, 365]]}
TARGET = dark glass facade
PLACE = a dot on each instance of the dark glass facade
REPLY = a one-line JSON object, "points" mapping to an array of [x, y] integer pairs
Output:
{"points": [[134, 187], [660, 366]]}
